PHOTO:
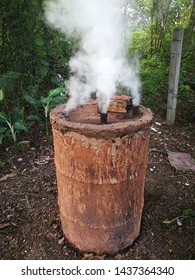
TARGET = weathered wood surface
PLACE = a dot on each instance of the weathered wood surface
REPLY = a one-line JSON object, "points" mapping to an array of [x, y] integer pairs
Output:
{"points": [[101, 185], [176, 53]]}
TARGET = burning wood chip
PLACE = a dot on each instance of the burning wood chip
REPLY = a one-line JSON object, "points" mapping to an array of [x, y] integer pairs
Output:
{"points": [[120, 104]]}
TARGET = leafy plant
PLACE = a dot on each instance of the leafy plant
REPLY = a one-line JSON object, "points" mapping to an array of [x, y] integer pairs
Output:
{"points": [[50, 102], [189, 126], [8, 81], [12, 124], [166, 135], [2, 164], [2, 134], [154, 76], [189, 216], [1, 95], [187, 213], [44, 105], [18, 148]]}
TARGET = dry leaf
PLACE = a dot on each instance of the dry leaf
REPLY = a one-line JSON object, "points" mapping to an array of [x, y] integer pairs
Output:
{"points": [[170, 221], [60, 241]]}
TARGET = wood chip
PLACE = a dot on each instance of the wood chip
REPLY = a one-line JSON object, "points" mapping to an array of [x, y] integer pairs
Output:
{"points": [[119, 104]]}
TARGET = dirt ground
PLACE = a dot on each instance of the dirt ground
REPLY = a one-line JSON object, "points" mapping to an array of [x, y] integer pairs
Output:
{"points": [[29, 217]]}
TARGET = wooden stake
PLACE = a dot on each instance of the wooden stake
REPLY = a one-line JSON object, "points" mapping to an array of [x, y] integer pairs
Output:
{"points": [[176, 51]]}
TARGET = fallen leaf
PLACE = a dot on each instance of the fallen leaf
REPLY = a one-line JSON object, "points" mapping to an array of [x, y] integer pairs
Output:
{"points": [[158, 123], [25, 144], [43, 160], [170, 221], [154, 129], [60, 241]]}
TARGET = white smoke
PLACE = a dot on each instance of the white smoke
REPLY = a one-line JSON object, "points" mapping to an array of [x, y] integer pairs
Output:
{"points": [[100, 64]]}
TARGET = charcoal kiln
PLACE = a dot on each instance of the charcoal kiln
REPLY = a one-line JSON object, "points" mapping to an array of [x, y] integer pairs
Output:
{"points": [[101, 162]]}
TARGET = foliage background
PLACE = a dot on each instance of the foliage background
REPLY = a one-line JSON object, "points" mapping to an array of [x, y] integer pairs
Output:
{"points": [[32, 54]]}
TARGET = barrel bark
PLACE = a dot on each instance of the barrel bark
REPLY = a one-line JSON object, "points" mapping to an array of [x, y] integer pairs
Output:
{"points": [[100, 181]]}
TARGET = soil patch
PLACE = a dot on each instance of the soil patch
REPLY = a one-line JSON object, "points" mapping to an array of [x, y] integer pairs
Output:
{"points": [[29, 216]]}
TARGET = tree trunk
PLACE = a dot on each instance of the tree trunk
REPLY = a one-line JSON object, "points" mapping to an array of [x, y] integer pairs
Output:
{"points": [[191, 26], [164, 25]]}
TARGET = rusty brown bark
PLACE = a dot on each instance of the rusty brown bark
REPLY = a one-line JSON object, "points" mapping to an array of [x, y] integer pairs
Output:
{"points": [[100, 178]]}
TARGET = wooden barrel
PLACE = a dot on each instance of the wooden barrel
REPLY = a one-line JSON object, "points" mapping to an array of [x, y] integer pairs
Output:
{"points": [[100, 176]]}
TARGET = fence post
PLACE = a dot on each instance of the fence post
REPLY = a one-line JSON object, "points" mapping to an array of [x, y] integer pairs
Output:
{"points": [[176, 51]]}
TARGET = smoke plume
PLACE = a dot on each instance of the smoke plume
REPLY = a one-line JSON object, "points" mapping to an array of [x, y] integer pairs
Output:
{"points": [[101, 63]]}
